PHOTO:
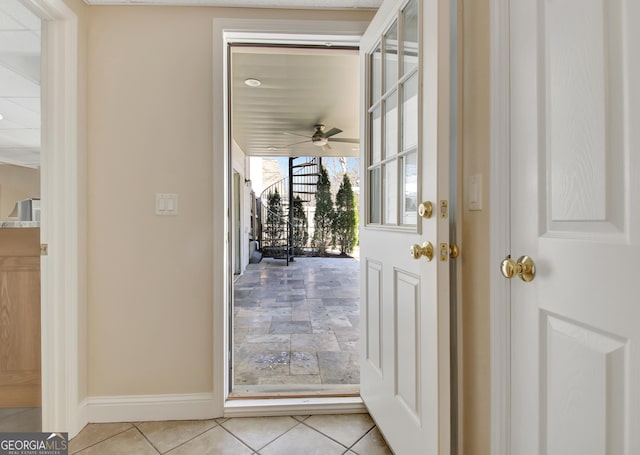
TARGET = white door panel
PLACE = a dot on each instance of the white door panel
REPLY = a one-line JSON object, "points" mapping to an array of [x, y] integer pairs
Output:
{"points": [[575, 208], [405, 318]]}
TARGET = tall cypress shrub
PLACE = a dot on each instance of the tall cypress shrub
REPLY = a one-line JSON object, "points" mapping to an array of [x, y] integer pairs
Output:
{"points": [[323, 218], [274, 227], [345, 223], [300, 224]]}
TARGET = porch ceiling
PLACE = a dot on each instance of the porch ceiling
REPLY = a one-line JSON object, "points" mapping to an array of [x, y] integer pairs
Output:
{"points": [[299, 89]]}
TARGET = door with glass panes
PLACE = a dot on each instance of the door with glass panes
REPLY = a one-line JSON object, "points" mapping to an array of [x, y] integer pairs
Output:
{"points": [[405, 360]]}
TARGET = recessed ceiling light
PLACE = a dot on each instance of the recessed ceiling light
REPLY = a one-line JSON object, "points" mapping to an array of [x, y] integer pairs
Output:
{"points": [[1, 117], [252, 82], [271, 149]]}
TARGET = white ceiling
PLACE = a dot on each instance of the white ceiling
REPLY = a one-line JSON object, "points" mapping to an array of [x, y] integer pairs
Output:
{"points": [[300, 88], [19, 85], [303, 4]]}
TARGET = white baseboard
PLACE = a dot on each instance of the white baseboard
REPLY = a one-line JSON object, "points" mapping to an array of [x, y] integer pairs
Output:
{"points": [[138, 408], [82, 419], [142, 408], [293, 406]]}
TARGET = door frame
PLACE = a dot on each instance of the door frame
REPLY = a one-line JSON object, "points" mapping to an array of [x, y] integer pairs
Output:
{"points": [[62, 228], [500, 227], [225, 32]]}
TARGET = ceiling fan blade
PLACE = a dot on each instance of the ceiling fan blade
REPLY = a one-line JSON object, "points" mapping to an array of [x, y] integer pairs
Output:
{"points": [[296, 134], [296, 143], [332, 132], [349, 140]]}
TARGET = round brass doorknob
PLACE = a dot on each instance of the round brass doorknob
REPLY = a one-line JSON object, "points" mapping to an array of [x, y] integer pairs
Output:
{"points": [[524, 267], [425, 250], [425, 209]]}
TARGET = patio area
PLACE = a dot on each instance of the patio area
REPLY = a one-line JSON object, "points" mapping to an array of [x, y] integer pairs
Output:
{"points": [[296, 328]]}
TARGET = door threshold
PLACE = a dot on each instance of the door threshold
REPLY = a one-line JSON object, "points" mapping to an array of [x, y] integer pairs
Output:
{"points": [[294, 391], [270, 407]]}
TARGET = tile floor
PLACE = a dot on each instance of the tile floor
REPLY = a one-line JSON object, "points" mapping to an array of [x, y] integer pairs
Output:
{"points": [[352, 434], [20, 420], [297, 324]]}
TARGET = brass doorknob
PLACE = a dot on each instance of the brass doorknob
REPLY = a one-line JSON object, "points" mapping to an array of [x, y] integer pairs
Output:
{"points": [[425, 250], [524, 267], [425, 209]]}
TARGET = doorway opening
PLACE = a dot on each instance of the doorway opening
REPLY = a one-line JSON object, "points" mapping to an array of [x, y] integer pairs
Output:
{"points": [[20, 143], [294, 311]]}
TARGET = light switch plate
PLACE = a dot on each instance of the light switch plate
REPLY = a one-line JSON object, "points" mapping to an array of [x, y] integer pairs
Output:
{"points": [[166, 204], [475, 192]]}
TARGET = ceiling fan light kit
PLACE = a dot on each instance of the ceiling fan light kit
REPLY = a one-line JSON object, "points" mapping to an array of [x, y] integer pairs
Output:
{"points": [[320, 138], [251, 82]]}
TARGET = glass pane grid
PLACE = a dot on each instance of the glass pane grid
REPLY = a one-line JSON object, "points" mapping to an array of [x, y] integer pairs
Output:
{"points": [[392, 161]]}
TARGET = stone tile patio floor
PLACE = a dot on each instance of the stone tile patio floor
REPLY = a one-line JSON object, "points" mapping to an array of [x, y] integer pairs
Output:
{"points": [[297, 324]]}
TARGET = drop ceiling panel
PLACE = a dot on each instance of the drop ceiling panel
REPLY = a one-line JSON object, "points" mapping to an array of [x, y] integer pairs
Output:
{"points": [[20, 39], [20, 14], [305, 4], [19, 42], [17, 115], [14, 85], [20, 138], [9, 23], [20, 157], [32, 104]]}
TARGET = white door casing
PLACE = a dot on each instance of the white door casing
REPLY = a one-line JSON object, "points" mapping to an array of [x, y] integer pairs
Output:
{"points": [[62, 227], [228, 31], [575, 209], [405, 358]]}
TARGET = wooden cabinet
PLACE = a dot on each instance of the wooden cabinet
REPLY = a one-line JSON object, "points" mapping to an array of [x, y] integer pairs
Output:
{"points": [[20, 381]]}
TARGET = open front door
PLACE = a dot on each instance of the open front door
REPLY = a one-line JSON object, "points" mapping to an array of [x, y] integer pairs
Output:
{"points": [[405, 361]]}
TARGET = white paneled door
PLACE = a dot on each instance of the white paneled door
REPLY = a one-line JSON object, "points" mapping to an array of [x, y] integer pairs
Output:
{"points": [[405, 360], [575, 211]]}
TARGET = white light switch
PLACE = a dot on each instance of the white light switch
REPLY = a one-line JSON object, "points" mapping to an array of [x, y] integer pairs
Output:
{"points": [[166, 204], [475, 192]]}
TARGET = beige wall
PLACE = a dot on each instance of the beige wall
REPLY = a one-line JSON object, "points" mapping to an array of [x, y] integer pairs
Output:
{"points": [[475, 230], [16, 183], [150, 130]]}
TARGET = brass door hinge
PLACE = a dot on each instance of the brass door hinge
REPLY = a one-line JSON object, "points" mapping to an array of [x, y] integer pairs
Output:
{"points": [[44, 249]]}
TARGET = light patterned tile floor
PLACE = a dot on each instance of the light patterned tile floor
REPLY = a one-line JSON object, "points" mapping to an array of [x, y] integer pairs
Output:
{"points": [[297, 324], [354, 434]]}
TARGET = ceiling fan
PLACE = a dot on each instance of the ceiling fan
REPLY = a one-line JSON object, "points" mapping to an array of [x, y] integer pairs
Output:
{"points": [[321, 137]]}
